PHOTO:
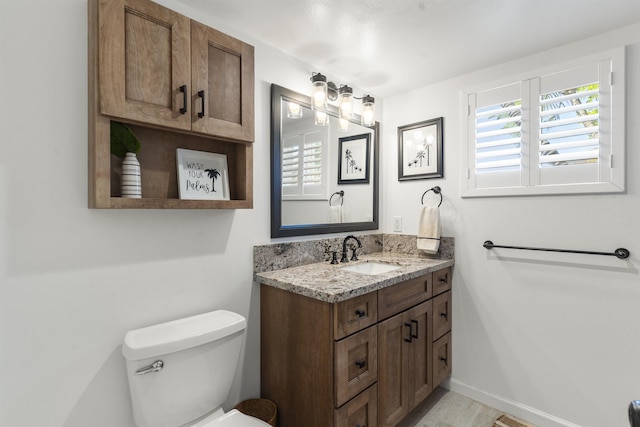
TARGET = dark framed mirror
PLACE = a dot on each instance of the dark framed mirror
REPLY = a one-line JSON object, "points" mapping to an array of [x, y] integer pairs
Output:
{"points": [[324, 178]]}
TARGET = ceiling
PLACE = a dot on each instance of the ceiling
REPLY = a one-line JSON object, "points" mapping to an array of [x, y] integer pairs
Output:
{"points": [[391, 46]]}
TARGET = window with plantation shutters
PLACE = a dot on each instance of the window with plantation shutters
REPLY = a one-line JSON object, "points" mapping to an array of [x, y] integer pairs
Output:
{"points": [[559, 131], [304, 166]]}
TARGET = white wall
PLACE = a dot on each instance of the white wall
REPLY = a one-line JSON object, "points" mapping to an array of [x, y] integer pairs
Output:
{"points": [[74, 280], [549, 337]]}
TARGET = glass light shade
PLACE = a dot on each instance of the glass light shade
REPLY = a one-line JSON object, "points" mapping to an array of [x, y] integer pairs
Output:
{"points": [[345, 125], [345, 103], [322, 118], [318, 92], [294, 111], [368, 111]]}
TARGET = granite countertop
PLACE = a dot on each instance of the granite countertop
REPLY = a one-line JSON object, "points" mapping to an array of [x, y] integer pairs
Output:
{"points": [[329, 282]]}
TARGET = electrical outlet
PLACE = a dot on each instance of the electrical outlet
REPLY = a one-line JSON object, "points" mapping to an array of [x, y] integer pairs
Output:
{"points": [[397, 224]]}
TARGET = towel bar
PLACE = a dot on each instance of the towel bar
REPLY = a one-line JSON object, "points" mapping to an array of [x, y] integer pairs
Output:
{"points": [[620, 253]]}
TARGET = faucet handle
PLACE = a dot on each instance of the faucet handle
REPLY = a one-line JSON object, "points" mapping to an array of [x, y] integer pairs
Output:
{"points": [[334, 257], [353, 256]]}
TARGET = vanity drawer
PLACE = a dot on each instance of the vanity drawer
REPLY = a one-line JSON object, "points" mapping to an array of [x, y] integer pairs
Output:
{"points": [[360, 411], [396, 298], [442, 280], [355, 314], [356, 364], [441, 359], [441, 314]]}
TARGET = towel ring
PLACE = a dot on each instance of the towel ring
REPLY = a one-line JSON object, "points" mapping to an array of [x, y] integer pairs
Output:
{"points": [[339, 193], [436, 190]]}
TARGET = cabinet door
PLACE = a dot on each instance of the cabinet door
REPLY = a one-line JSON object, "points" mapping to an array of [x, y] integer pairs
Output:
{"points": [[361, 411], [393, 396], [144, 60], [223, 84], [419, 376]]}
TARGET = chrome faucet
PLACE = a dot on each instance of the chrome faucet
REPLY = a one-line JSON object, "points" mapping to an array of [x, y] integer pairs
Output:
{"points": [[344, 249]]}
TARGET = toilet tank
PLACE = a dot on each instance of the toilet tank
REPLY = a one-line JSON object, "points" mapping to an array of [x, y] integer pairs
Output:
{"points": [[199, 356]]}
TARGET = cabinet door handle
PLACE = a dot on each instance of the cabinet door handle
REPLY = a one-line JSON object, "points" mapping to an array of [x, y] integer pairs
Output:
{"points": [[410, 326], [361, 313], [201, 95], [415, 322], [183, 89], [361, 363]]}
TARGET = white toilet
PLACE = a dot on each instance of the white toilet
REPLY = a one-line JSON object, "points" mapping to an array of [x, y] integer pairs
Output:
{"points": [[180, 372]]}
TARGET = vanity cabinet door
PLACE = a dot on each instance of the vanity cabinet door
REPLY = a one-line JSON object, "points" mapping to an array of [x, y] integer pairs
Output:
{"points": [[442, 280], [441, 314], [144, 60], [360, 411], [441, 359], [355, 314], [404, 363], [223, 84], [396, 298], [356, 364]]}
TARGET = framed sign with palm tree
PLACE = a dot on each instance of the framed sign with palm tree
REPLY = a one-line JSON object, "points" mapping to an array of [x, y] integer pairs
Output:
{"points": [[420, 150], [202, 175], [353, 160]]}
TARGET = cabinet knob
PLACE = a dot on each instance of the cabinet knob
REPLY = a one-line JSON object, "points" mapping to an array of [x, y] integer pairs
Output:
{"points": [[361, 363], [361, 313]]}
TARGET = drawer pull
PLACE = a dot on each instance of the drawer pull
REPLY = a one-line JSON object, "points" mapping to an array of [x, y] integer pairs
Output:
{"points": [[361, 313], [201, 95], [443, 359], [444, 315], [444, 279], [183, 89], [415, 322], [361, 363], [408, 325]]}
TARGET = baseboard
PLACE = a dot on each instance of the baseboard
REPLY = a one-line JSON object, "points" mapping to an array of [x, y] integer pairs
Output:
{"points": [[517, 409]]}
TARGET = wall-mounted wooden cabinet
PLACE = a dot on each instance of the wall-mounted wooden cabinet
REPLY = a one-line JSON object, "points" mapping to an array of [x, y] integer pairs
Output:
{"points": [[181, 85]]}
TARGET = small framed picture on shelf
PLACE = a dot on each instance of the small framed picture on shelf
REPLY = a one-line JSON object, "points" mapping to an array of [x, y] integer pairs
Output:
{"points": [[202, 175], [420, 150], [353, 160]]}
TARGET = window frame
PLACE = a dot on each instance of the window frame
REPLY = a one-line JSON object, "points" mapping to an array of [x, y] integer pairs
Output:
{"points": [[612, 162]]}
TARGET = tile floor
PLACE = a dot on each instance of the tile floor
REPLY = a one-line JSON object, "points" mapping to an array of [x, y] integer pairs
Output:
{"points": [[444, 408]]}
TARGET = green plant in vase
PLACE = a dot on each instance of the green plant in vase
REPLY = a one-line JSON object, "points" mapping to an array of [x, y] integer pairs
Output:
{"points": [[125, 144], [123, 140]]}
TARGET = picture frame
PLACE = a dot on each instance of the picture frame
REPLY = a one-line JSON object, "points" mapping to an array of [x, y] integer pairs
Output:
{"points": [[354, 153], [420, 154], [202, 175]]}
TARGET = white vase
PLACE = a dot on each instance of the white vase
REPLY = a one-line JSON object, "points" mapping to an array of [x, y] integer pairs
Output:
{"points": [[131, 184]]}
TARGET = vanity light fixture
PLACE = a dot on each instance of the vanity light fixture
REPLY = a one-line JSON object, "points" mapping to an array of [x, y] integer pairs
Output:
{"points": [[322, 90]]}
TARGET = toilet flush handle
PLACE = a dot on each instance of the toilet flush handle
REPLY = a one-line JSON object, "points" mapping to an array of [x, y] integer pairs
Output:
{"points": [[154, 367]]}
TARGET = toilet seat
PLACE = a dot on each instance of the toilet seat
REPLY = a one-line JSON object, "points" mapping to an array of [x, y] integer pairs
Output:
{"points": [[233, 418]]}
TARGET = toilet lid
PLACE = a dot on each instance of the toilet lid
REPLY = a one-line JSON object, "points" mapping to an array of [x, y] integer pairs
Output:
{"points": [[235, 418]]}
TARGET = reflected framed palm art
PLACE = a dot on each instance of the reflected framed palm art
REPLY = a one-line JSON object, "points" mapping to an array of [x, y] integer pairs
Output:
{"points": [[353, 163], [420, 150]]}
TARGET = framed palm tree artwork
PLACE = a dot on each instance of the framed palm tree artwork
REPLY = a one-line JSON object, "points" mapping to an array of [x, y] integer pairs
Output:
{"points": [[353, 160], [420, 150], [202, 175]]}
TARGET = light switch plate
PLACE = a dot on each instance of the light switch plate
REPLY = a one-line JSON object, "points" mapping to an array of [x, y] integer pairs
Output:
{"points": [[397, 224]]}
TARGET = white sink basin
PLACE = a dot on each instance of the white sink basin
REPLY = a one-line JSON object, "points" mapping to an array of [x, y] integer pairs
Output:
{"points": [[371, 268]]}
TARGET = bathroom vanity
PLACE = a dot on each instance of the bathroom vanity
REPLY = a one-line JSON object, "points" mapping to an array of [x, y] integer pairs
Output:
{"points": [[350, 348]]}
